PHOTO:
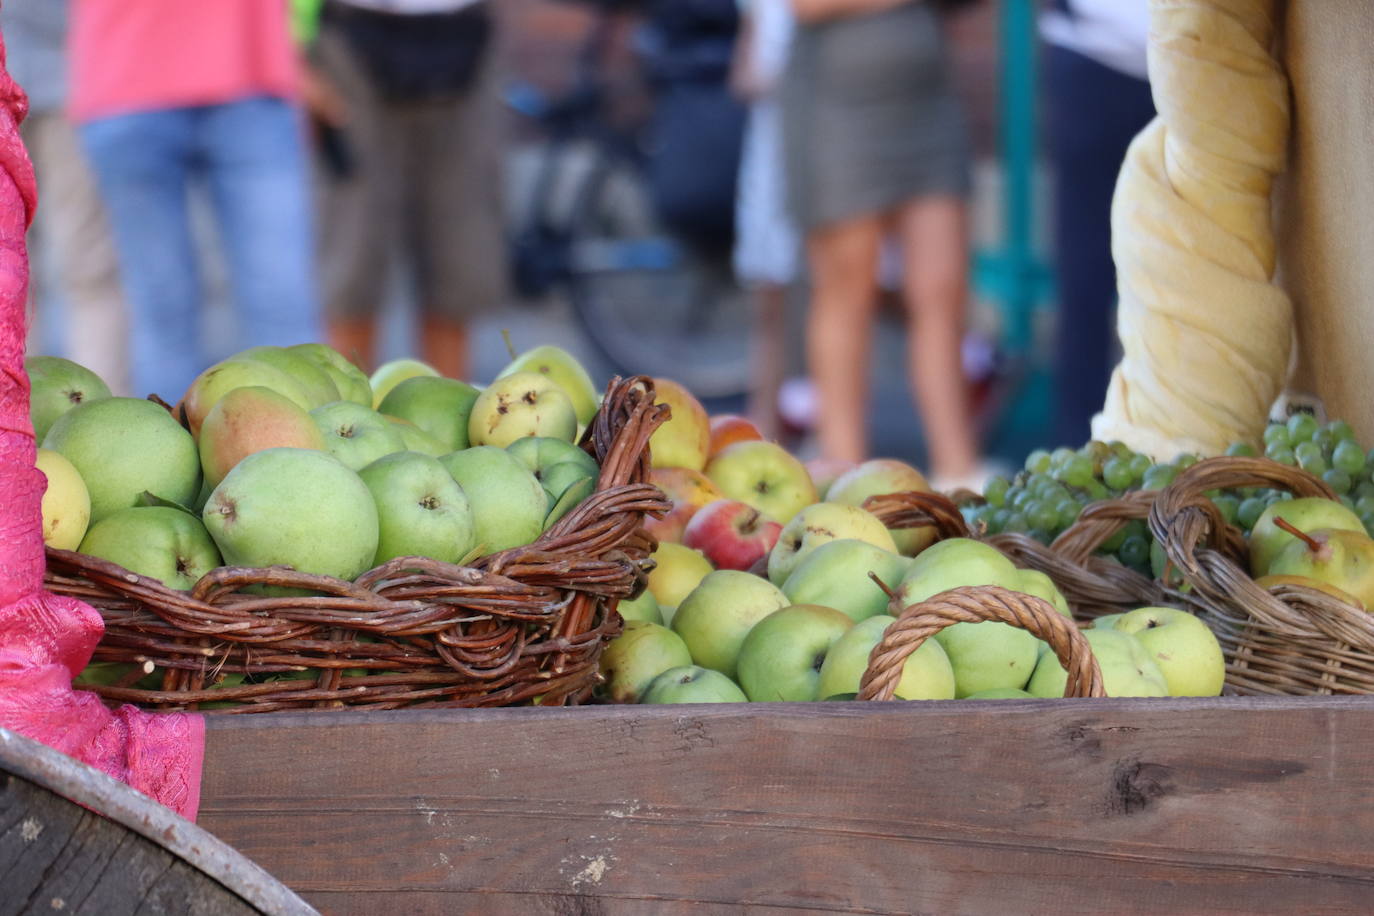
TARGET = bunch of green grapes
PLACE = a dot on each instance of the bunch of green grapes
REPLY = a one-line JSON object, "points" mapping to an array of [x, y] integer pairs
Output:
{"points": [[1331, 452]]}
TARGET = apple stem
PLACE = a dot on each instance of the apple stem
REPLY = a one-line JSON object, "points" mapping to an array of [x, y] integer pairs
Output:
{"points": [[1312, 543], [510, 347], [882, 585]]}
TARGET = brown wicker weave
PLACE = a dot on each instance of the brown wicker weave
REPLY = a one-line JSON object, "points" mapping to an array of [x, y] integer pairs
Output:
{"points": [[1285, 640], [523, 623], [915, 624], [915, 509]]}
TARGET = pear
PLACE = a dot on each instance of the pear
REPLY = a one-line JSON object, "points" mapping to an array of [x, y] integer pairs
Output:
{"points": [[439, 406], [1268, 582], [508, 504], [519, 405], [565, 372], [56, 385], [391, 374], [1268, 538], [416, 439], [164, 544], [318, 384], [350, 381], [248, 420], [1128, 668], [634, 658], [1344, 559], [356, 435], [222, 378]]}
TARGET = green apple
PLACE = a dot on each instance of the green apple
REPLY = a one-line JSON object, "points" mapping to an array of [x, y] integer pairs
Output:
{"points": [[56, 385], [954, 563], [123, 447], [66, 504], [820, 524], [248, 420], [540, 453], [1107, 621], [439, 406], [356, 435], [1000, 693], [520, 405], [154, 541], [677, 571], [294, 507], [877, 477], [780, 659], [391, 374], [645, 607], [692, 684], [571, 497], [715, 618], [1267, 539], [988, 655], [763, 475], [421, 509], [318, 384], [564, 371], [684, 440], [634, 658], [558, 479], [348, 379], [926, 674], [508, 504], [1184, 648], [836, 574], [222, 378], [416, 439], [1127, 668]]}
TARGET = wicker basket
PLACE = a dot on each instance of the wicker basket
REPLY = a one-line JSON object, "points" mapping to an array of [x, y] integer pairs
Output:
{"points": [[1284, 640], [917, 623], [514, 626]]}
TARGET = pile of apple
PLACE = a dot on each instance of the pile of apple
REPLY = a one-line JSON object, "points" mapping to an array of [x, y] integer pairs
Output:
{"points": [[293, 456], [765, 589]]}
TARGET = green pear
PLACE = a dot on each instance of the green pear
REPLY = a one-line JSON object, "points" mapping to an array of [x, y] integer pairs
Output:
{"points": [[1107, 621], [819, 524], [391, 374], [318, 383], [988, 655], [781, 657], [836, 574], [540, 453], [520, 405], [926, 674], [571, 497], [248, 420], [645, 607], [678, 569], [439, 406], [1000, 693], [692, 684], [880, 476], [56, 385], [564, 371], [1037, 584], [1127, 668], [508, 504], [416, 439], [1336, 556], [634, 658], [356, 435], [123, 447], [154, 541], [222, 378], [1268, 539], [421, 509], [1184, 648], [294, 507], [348, 379], [719, 613]]}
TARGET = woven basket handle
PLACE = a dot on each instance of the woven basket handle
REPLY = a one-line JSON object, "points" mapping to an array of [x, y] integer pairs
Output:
{"points": [[915, 509], [919, 622]]}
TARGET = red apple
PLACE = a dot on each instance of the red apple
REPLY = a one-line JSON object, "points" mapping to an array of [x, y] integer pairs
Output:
{"points": [[729, 428], [732, 534], [689, 490]]}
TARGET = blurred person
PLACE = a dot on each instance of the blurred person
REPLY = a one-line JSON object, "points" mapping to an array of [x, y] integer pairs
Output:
{"points": [[877, 142], [172, 96], [1097, 99], [411, 168], [70, 222], [766, 244]]}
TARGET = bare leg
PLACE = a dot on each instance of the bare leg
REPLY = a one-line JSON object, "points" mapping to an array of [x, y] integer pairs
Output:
{"points": [[768, 354], [844, 260], [444, 345], [356, 339], [934, 233]]}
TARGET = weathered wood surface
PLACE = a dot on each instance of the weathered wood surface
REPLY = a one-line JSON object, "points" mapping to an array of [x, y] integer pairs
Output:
{"points": [[58, 856], [1120, 806]]}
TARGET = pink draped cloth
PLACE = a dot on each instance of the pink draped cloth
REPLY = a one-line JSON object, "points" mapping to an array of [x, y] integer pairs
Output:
{"points": [[46, 640]]}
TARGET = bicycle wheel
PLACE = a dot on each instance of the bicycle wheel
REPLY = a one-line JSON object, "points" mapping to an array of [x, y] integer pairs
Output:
{"points": [[648, 302]]}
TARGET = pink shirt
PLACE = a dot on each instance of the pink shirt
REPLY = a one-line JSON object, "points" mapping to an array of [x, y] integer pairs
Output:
{"points": [[142, 55]]}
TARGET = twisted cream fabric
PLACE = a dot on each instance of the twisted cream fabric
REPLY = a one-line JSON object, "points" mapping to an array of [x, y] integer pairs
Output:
{"points": [[1205, 333]]}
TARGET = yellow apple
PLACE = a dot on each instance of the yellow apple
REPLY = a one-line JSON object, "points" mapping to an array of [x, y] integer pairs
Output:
{"points": [[66, 501]]}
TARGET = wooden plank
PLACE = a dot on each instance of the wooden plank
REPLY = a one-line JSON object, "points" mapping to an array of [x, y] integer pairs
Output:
{"points": [[1224, 806]]}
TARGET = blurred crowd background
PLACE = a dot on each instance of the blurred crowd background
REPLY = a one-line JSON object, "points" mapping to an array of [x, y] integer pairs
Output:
{"points": [[784, 203]]}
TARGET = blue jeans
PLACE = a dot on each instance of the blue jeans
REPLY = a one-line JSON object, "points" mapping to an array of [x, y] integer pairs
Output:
{"points": [[250, 157]]}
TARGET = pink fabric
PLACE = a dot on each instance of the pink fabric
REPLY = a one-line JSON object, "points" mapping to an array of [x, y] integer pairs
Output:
{"points": [[46, 640], [145, 55]]}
